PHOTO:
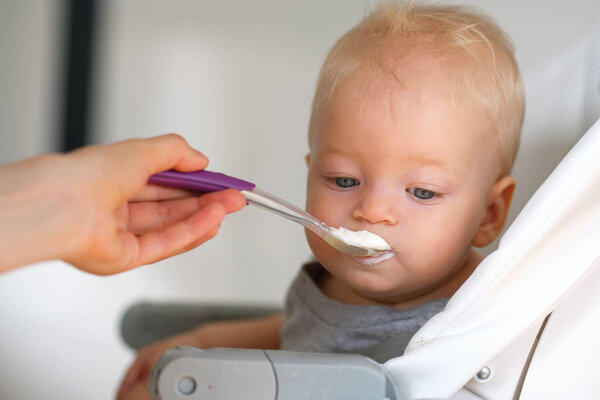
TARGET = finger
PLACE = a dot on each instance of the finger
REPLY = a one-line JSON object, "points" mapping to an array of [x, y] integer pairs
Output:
{"points": [[157, 245], [209, 235], [172, 152], [148, 216], [163, 152], [232, 199], [130, 379], [126, 166], [158, 193], [138, 392]]}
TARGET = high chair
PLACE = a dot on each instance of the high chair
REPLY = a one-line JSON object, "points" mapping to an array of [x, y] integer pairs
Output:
{"points": [[525, 325]]}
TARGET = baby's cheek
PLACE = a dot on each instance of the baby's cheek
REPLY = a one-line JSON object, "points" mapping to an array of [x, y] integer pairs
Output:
{"points": [[444, 249], [458, 247], [316, 204], [317, 245], [325, 210], [326, 255]]}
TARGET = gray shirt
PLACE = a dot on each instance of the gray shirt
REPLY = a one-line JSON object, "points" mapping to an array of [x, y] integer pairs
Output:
{"points": [[316, 323]]}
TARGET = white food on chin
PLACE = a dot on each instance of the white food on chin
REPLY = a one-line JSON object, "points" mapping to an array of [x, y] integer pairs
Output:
{"points": [[372, 260]]}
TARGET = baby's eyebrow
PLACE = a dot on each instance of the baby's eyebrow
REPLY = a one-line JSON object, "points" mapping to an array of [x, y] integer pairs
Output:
{"points": [[333, 149], [441, 165], [417, 160], [429, 161]]}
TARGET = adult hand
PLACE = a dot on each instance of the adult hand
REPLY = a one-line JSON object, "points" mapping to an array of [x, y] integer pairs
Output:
{"points": [[94, 209]]}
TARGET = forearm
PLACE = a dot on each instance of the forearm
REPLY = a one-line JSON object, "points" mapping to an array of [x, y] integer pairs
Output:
{"points": [[259, 333], [32, 219]]}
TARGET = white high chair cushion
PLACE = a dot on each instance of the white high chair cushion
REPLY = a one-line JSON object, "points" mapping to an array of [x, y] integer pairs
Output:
{"points": [[565, 363]]}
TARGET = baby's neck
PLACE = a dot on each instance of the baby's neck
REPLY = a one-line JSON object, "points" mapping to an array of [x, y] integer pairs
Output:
{"points": [[340, 291]]}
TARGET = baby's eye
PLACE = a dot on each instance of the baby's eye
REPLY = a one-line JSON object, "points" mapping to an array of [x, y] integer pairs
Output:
{"points": [[345, 182], [421, 194]]}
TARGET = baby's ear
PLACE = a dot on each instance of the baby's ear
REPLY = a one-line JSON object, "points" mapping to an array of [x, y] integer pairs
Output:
{"points": [[497, 205], [307, 158]]}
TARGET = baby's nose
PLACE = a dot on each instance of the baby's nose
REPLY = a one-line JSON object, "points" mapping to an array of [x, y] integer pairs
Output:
{"points": [[377, 206]]}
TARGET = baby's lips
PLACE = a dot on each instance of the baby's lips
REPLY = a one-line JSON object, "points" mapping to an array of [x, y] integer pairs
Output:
{"points": [[376, 259]]}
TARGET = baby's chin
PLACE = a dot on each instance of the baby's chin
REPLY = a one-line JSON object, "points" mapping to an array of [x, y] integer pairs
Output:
{"points": [[382, 293]]}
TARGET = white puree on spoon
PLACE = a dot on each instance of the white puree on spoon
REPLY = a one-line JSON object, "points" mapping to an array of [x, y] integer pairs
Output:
{"points": [[363, 239]]}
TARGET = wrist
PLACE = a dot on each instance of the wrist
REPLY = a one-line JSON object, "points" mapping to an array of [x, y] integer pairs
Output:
{"points": [[31, 213]]}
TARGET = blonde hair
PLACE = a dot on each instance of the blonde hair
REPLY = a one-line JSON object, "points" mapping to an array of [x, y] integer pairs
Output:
{"points": [[469, 48]]}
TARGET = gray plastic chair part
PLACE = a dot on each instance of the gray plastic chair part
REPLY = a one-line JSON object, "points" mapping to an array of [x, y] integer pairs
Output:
{"points": [[144, 323], [220, 374], [334, 376], [213, 374]]}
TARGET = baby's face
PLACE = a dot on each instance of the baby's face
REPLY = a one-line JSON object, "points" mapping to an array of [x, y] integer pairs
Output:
{"points": [[407, 165]]}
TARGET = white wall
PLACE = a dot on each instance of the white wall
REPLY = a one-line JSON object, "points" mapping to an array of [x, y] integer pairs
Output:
{"points": [[236, 79]]}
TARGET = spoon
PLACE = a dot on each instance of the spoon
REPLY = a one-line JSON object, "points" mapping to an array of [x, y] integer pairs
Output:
{"points": [[208, 181]]}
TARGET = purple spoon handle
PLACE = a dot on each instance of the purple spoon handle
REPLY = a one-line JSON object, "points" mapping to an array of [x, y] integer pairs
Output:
{"points": [[200, 181]]}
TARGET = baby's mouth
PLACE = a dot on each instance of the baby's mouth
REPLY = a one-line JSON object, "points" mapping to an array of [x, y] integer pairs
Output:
{"points": [[372, 260]]}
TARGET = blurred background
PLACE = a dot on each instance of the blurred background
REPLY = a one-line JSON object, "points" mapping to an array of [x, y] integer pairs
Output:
{"points": [[236, 79]]}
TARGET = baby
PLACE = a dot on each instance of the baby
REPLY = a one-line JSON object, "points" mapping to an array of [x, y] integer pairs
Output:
{"points": [[415, 125]]}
